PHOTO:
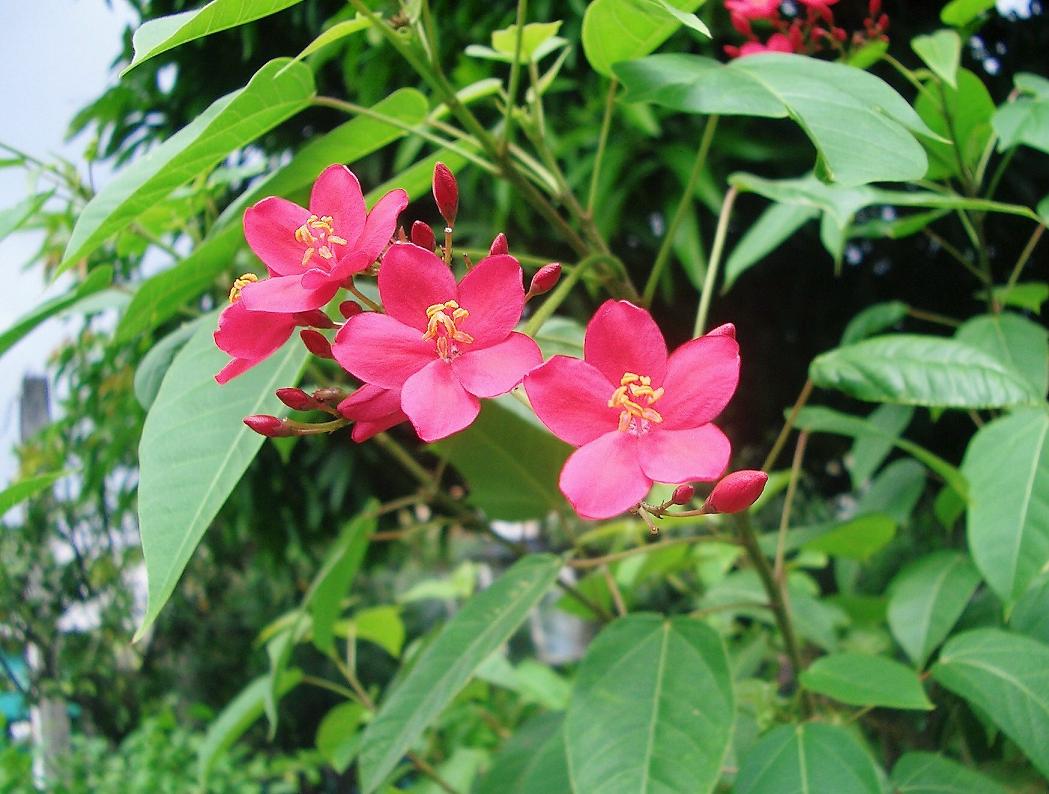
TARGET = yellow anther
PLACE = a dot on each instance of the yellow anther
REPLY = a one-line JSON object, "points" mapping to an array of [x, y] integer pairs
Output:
{"points": [[239, 284], [634, 397], [442, 326], [318, 235]]}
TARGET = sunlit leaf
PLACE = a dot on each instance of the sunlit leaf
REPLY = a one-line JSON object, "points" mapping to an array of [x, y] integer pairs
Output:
{"points": [[861, 679], [1026, 120], [1013, 340], [622, 30], [27, 488], [941, 51]]}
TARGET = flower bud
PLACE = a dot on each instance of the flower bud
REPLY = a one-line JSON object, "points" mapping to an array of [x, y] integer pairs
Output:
{"points": [[316, 343], [445, 193], [873, 8], [728, 329], [683, 494], [350, 309], [265, 425], [315, 318], [296, 399], [499, 245], [544, 279], [329, 396], [422, 235], [736, 492]]}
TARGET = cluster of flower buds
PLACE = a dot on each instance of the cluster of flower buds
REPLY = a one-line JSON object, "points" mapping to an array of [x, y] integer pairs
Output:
{"points": [[811, 31]]}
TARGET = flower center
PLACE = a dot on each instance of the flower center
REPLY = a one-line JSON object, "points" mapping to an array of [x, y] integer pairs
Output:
{"points": [[318, 235], [442, 326], [634, 398], [239, 284]]}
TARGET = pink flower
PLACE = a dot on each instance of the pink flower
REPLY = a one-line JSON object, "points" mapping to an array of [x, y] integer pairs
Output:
{"points": [[311, 252], [753, 9], [443, 345], [636, 416], [373, 410], [777, 42]]}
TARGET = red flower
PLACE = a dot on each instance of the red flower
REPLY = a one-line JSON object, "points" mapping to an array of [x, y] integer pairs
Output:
{"points": [[636, 415], [311, 252], [753, 9], [443, 345], [777, 43], [373, 410]]}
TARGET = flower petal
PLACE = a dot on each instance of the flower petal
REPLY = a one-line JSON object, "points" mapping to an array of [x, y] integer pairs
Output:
{"points": [[338, 193], [381, 224], [493, 293], [370, 402], [571, 398], [623, 338], [603, 478], [363, 430], [380, 350], [252, 335], [697, 453], [497, 369], [237, 366], [701, 378], [436, 402], [411, 279], [269, 228], [285, 294]]}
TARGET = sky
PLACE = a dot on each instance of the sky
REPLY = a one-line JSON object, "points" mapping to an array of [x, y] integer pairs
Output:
{"points": [[54, 59]]}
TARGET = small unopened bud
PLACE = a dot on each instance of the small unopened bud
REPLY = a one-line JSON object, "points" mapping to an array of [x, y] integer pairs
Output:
{"points": [[544, 280], [499, 245], [423, 236], [315, 318], [329, 396], [296, 399], [350, 309], [683, 494], [728, 329], [265, 425], [316, 343], [874, 8], [445, 193], [736, 492], [883, 22]]}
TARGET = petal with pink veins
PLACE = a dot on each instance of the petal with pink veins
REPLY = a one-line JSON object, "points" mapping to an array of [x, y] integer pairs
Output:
{"points": [[701, 378], [338, 193], [603, 478], [436, 403], [285, 294], [269, 228], [411, 279], [696, 454], [495, 370], [570, 397], [381, 224], [621, 338], [493, 293], [380, 350]]}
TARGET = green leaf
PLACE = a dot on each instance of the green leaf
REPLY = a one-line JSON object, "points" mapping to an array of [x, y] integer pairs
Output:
{"points": [[561, 336], [1015, 341], [895, 491], [1027, 295], [811, 758], [531, 762], [165, 33], [856, 539], [1006, 676], [869, 451], [1025, 120], [12, 218], [910, 369], [195, 448], [861, 128], [1030, 616], [160, 297], [622, 30], [150, 373], [509, 461], [336, 32], [873, 320], [18, 492], [532, 38], [484, 623], [1007, 465], [532, 680], [825, 420], [960, 13], [942, 52], [962, 117], [97, 280], [775, 225], [338, 736], [324, 598], [652, 708], [381, 625], [237, 717], [863, 680], [928, 773], [274, 94]]}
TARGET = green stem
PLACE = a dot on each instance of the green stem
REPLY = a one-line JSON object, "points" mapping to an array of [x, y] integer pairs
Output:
{"points": [[788, 503], [715, 261], [682, 208], [515, 76], [602, 142], [402, 456], [1024, 256]]}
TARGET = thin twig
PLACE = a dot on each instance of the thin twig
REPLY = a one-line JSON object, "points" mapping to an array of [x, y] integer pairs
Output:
{"points": [[1014, 276], [613, 588], [602, 142], [784, 433], [515, 76], [788, 503], [715, 260]]}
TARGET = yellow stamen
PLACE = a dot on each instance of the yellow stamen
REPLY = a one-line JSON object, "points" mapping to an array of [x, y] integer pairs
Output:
{"points": [[239, 284], [635, 396], [443, 326], [318, 235]]}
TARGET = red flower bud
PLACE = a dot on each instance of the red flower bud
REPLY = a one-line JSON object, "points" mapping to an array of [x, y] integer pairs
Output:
{"points": [[742, 25], [445, 193], [315, 318], [873, 8], [296, 399], [883, 22], [265, 425], [316, 343], [544, 279], [683, 494], [499, 245], [422, 235], [736, 492], [728, 329], [349, 309]]}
